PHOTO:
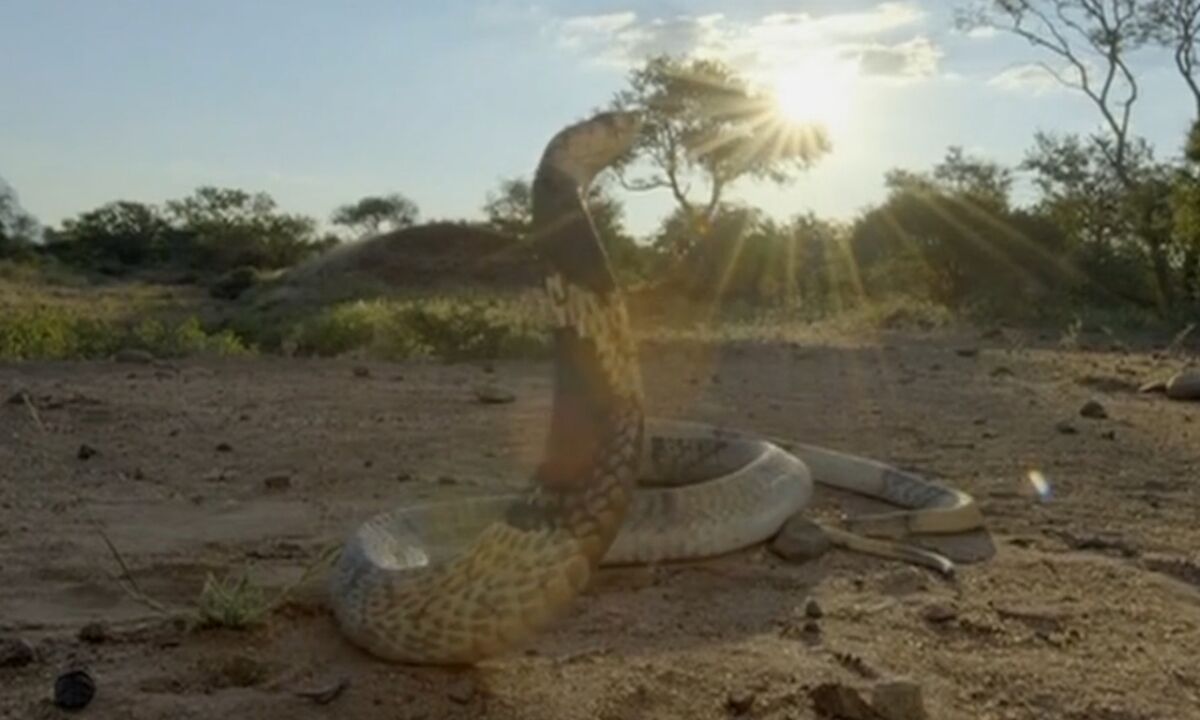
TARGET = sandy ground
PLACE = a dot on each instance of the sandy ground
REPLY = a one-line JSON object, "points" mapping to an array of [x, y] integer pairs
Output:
{"points": [[1083, 606]]}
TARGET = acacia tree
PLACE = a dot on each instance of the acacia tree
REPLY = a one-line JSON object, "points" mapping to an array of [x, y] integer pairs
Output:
{"points": [[1092, 42], [374, 213], [704, 125], [1175, 25], [18, 229]]}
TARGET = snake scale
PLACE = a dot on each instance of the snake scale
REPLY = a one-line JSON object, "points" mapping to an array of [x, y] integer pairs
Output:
{"points": [[455, 582]]}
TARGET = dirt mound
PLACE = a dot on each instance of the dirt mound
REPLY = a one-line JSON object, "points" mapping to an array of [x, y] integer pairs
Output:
{"points": [[438, 255]]}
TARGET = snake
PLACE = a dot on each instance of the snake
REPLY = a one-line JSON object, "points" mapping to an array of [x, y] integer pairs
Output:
{"points": [[455, 582]]}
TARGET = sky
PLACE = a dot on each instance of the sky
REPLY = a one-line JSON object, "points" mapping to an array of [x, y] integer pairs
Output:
{"points": [[320, 103]]}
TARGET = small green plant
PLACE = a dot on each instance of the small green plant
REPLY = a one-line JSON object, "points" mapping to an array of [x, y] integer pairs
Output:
{"points": [[59, 333], [231, 603]]}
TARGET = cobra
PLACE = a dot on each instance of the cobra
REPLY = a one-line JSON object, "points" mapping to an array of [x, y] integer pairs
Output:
{"points": [[455, 582]]}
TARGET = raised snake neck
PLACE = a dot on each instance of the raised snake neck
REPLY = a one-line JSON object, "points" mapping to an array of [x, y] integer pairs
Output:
{"points": [[402, 594]]}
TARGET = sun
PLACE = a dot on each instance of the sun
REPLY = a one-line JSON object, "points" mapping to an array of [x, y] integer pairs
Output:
{"points": [[816, 90]]}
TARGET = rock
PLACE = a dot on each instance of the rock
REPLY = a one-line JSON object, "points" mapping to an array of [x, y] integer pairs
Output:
{"points": [[94, 633], [462, 691], [86, 452], [224, 447], [278, 482], [1094, 410], [20, 397], [967, 352], [835, 700], [325, 695], [899, 700], [939, 613], [133, 356], [1064, 427], [812, 609], [1184, 386], [361, 371], [1001, 371], [447, 480], [15, 652], [740, 702], [800, 540], [74, 690], [493, 395]]}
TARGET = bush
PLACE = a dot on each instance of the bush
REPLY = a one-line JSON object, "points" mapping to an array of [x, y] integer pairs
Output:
{"points": [[45, 333], [451, 329]]}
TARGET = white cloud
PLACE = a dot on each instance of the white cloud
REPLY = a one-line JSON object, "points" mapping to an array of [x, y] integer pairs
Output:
{"points": [[1030, 79], [983, 32], [761, 47]]}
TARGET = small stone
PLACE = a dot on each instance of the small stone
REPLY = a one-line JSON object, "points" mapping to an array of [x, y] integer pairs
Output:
{"points": [[404, 476], [224, 447], [20, 397], [1094, 410], [15, 652], [361, 371], [1001, 371], [1109, 434], [86, 452], [278, 482], [939, 613], [1065, 427], [800, 540], [812, 609], [1184, 386], [493, 395], [74, 690], [899, 700], [967, 352], [94, 633], [461, 692], [835, 700], [133, 356], [811, 627], [447, 480], [740, 702]]}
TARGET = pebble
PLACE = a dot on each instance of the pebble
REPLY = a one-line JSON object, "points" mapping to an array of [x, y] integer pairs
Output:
{"points": [[837, 700], [15, 652], [361, 371], [224, 447], [461, 691], [86, 452], [1064, 427], [740, 702], [1094, 410], [800, 540], [493, 395], [812, 609], [74, 690], [899, 700], [939, 613], [94, 633], [967, 352], [278, 482]]}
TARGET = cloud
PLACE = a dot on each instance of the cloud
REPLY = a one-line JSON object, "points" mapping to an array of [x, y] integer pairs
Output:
{"points": [[760, 47], [916, 58], [1030, 79]]}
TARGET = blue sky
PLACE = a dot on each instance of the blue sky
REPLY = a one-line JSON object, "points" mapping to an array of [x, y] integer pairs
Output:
{"points": [[319, 103]]}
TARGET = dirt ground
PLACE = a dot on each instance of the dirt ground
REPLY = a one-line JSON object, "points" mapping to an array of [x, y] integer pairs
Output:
{"points": [[1084, 605]]}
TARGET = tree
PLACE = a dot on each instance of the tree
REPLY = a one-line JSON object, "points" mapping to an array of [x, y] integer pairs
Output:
{"points": [[227, 228], [1093, 40], [114, 237], [702, 121], [509, 209], [949, 235], [18, 229], [374, 213], [1175, 24]]}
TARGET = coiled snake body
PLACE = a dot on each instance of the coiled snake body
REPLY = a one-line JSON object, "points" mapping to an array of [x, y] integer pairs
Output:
{"points": [[455, 582]]}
